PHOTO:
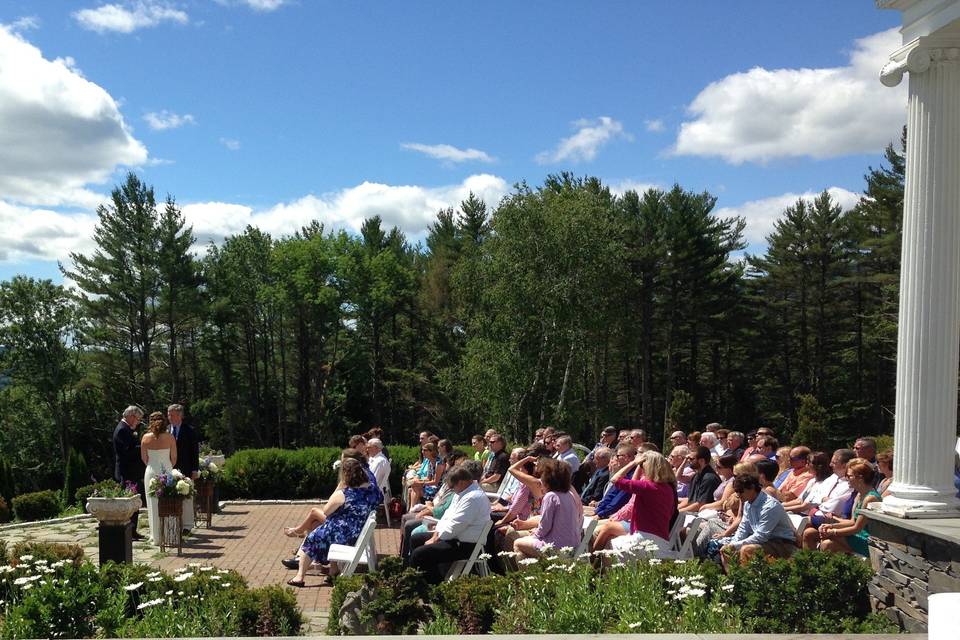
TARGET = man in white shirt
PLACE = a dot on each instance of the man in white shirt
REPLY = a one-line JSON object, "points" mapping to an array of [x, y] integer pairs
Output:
{"points": [[379, 464], [460, 527], [709, 440], [566, 453]]}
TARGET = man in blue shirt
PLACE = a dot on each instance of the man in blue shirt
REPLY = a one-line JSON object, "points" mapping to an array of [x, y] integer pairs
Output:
{"points": [[765, 524], [615, 498]]}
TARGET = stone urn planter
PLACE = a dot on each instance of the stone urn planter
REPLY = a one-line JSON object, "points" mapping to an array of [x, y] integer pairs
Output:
{"points": [[218, 460], [113, 512]]}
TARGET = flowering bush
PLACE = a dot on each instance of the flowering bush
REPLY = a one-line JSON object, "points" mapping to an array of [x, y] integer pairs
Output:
{"points": [[61, 599], [171, 485], [113, 489]]}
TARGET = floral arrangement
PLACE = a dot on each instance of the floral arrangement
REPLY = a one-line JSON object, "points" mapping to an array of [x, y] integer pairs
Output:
{"points": [[171, 485], [209, 469], [111, 489]]}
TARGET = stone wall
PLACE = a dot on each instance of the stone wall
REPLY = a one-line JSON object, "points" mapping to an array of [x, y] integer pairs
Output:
{"points": [[910, 565]]}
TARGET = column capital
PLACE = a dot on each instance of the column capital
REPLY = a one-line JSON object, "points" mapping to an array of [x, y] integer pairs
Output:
{"points": [[917, 56]]}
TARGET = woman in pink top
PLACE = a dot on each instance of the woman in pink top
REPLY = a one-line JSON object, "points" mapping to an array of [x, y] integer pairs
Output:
{"points": [[655, 494], [561, 512]]}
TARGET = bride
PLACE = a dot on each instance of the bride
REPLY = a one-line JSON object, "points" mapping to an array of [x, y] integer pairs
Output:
{"points": [[158, 449]]}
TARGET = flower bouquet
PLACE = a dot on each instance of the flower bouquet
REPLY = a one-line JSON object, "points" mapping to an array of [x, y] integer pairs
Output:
{"points": [[171, 484], [209, 470]]}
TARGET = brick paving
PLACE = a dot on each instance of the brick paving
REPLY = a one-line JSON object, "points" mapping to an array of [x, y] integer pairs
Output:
{"points": [[246, 537]]}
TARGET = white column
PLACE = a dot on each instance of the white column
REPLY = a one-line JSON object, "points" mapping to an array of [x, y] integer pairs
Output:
{"points": [[928, 337]]}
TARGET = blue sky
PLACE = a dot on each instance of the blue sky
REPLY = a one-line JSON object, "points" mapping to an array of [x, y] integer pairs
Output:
{"points": [[275, 112]]}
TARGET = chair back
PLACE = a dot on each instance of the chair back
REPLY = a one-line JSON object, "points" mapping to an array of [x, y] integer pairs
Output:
{"points": [[365, 542], [467, 565], [589, 526]]}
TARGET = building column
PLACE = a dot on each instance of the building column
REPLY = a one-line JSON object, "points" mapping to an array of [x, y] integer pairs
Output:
{"points": [[928, 336]]}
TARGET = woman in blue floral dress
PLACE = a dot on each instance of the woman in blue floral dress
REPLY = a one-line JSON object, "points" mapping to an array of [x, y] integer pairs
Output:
{"points": [[344, 516]]}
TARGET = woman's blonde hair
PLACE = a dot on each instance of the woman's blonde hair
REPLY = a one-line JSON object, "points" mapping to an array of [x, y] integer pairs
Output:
{"points": [[158, 423], [745, 467], [656, 468]]}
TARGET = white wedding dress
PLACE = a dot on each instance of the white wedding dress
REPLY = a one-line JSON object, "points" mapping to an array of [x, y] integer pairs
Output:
{"points": [[158, 461]]}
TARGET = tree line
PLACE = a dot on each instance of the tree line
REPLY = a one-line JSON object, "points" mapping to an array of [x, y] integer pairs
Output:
{"points": [[562, 304]]}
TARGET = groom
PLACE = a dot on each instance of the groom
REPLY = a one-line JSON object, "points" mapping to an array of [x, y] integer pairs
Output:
{"points": [[188, 455]]}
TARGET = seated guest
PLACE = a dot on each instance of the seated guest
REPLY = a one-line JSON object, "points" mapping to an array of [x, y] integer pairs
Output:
{"points": [[849, 536], [414, 522], [677, 438], [615, 498], [682, 469], [735, 444], [704, 483], [751, 446], [607, 439], [766, 474], [623, 437], [479, 448], [693, 440], [724, 490], [458, 530], [496, 466], [341, 519], [838, 501], [512, 484], [885, 467], [378, 462], [767, 447], [523, 516], [561, 513], [765, 525], [566, 453], [711, 442], [823, 479], [357, 442], [638, 437], [655, 491], [593, 492], [799, 476], [783, 463], [426, 474]]}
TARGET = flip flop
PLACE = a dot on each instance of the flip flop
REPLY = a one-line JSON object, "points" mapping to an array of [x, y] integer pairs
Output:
{"points": [[296, 583], [291, 532]]}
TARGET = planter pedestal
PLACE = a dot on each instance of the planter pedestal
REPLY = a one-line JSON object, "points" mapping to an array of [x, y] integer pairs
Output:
{"points": [[116, 543], [170, 513]]}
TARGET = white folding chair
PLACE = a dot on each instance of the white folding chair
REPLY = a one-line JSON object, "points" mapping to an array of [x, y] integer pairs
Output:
{"points": [[363, 552], [496, 495], [387, 497], [464, 567], [800, 523], [589, 526], [684, 550]]}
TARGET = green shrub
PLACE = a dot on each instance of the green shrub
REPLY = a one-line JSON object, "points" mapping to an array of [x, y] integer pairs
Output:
{"points": [[813, 420], [471, 601], [269, 474], [396, 605], [813, 592], [47, 551], [76, 474], [4, 511], [36, 506]]}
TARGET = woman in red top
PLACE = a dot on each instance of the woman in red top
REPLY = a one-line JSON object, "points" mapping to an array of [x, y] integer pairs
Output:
{"points": [[656, 494]]}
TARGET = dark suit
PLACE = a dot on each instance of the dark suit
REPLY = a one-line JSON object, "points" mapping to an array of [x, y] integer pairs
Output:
{"points": [[188, 462], [188, 449], [127, 464]]}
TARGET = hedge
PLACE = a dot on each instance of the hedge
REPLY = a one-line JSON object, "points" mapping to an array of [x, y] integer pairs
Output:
{"points": [[40, 505], [271, 474]]}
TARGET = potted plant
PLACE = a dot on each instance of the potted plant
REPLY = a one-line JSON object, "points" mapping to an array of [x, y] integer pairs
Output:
{"points": [[209, 473], [112, 504]]}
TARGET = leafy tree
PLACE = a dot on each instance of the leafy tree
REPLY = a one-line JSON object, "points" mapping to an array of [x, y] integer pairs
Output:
{"points": [[813, 421]]}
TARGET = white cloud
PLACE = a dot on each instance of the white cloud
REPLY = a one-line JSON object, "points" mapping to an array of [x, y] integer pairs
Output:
{"points": [[412, 208], [25, 23], [264, 5], [584, 144], [762, 114], [449, 153], [230, 143], [762, 214], [31, 234], [620, 187], [654, 126], [60, 132], [162, 120], [129, 17]]}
